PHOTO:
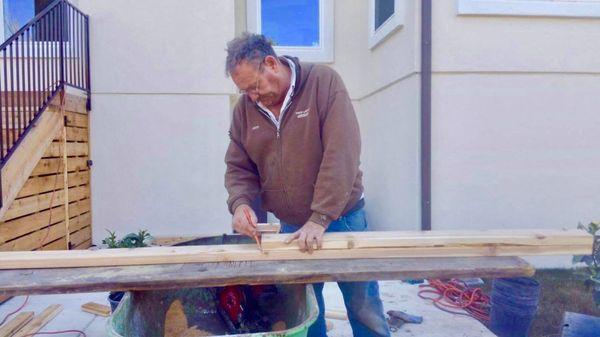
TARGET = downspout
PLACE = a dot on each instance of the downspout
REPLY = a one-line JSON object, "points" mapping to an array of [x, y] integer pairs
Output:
{"points": [[426, 23]]}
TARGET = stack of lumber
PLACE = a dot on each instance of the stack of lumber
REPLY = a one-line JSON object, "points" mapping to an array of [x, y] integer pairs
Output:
{"points": [[363, 245]]}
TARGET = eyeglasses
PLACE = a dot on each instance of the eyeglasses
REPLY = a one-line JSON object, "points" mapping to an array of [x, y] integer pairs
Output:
{"points": [[255, 89]]}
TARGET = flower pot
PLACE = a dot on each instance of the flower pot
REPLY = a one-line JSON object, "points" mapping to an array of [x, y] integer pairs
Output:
{"points": [[114, 297]]}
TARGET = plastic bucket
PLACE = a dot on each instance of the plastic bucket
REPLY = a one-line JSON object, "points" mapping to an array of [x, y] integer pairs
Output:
{"points": [[514, 302], [120, 322], [142, 313]]}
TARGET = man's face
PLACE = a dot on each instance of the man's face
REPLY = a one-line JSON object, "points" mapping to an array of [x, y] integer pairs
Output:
{"points": [[258, 80]]}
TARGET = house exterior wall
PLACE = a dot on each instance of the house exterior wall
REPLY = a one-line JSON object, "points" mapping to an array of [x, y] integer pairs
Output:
{"points": [[515, 120], [384, 83], [160, 115]]}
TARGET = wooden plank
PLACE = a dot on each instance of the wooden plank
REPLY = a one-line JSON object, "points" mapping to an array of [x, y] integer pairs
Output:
{"points": [[396, 239], [66, 191], [19, 166], [73, 150], [96, 309], [81, 236], [77, 119], [249, 252], [336, 314], [16, 323], [75, 134], [178, 276], [74, 103], [36, 203], [37, 185], [54, 165], [22, 226], [80, 221], [265, 228], [36, 239], [39, 321], [57, 245], [84, 245], [34, 222]]}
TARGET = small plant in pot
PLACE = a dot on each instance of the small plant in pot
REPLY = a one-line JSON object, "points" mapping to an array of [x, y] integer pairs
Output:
{"points": [[592, 261], [131, 240]]}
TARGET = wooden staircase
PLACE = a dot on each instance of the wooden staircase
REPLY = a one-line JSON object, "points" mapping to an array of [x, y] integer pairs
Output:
{"points": [[44, 100], [48, 211]]}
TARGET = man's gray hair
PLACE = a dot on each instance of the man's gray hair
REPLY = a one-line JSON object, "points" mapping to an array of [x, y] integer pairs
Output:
{"points": [[247, 47]]}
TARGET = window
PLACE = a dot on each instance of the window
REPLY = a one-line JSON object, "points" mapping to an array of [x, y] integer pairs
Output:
{"points": [[385, 17], [558, 8], [16, 13], [302, 28]]}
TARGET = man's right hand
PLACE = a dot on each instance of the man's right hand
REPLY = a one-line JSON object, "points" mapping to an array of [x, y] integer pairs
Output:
{"points": [[240, 223]]}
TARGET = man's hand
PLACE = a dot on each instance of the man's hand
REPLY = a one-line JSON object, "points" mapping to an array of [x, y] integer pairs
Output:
{"points": [[309, 235], [240, 223]]}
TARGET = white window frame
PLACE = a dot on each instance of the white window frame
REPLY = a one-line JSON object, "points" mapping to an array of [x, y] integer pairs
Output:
{"points": [[575, 9], [392, 24], [322, 54]]}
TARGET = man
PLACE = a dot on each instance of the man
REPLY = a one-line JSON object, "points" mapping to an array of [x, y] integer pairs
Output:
{"points": [[295, 141]]}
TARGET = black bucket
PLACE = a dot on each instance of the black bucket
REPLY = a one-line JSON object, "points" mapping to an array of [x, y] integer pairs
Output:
{"points": [[514, 304]]}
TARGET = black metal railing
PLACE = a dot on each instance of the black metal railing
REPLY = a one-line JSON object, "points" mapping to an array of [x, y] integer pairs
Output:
{"points": [[50, 52]]}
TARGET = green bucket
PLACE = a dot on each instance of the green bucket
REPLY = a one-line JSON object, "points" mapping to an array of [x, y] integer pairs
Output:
{"points": [[142, 313]]}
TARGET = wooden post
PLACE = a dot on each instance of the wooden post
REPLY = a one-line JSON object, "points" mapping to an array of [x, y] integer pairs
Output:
{"points": [[65, 169]]}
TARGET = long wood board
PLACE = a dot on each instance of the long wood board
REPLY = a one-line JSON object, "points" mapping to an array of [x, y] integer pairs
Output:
{"points": [[396, 239], [178, 276], [580, 244]]}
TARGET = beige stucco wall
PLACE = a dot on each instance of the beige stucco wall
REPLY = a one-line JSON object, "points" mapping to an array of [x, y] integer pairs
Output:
{"points": [[160, 115], [515, 120], [384, 85], [513, 116]]}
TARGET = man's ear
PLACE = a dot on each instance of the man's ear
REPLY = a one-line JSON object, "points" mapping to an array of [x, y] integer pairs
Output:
{"points": [[272, 62]]}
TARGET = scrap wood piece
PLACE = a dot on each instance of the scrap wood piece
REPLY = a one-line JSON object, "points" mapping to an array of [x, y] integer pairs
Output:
{"points": [[96, 309], [16, 323], [397, 239], [336, 314], [265, 228], [336, 246], [39, 321]]}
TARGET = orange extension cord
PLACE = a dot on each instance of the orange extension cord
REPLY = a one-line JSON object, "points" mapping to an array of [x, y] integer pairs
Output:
{"points": [[454, 295]]}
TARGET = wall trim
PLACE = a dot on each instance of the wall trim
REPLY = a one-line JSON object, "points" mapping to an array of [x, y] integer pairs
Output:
{"points": [[579, 9]]}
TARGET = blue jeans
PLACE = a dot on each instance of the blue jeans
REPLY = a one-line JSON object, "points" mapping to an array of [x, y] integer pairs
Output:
{"points": [[363, 304]]}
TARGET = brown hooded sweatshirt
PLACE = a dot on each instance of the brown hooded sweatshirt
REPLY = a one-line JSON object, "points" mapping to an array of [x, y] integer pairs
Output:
{"points": [[309, 168]]}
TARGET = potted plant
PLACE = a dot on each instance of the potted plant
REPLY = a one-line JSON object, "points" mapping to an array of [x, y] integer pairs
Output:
{"points": [[131, 240], [592, 261]]}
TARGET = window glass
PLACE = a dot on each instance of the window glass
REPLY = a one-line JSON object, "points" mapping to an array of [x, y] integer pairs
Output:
{"points": [[291, 23], [383, 10]]}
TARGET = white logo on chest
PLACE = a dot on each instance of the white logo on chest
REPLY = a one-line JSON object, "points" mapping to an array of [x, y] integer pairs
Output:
{"points": [[302, 114], [255, 127]]}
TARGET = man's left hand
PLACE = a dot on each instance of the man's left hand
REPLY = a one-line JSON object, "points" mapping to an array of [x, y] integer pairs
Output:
{"points": [[307, 236]]}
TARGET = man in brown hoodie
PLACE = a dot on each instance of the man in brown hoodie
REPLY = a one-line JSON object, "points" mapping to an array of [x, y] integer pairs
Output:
{"points": [[295, 141]]}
